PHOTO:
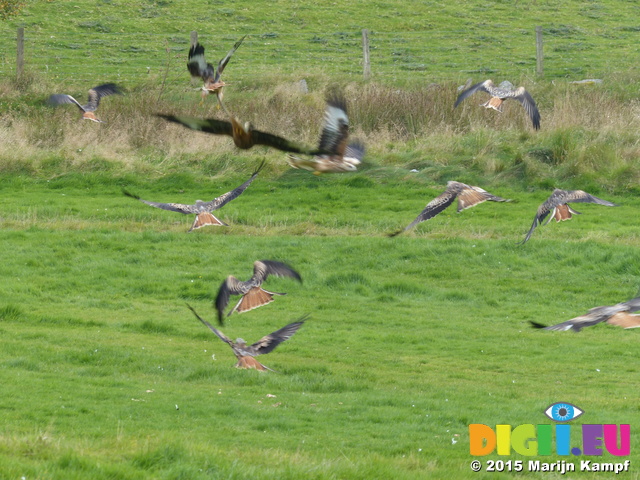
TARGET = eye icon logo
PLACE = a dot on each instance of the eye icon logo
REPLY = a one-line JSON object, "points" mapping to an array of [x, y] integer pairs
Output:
{"points": [[562, 412]]}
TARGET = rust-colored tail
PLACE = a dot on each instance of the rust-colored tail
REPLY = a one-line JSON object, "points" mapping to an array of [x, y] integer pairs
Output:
{"points": [[254, 298], [205, 218], [250, 362], [625, 320]]}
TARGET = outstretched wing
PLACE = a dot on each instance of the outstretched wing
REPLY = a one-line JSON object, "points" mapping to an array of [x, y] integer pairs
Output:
{"points": [[230, 286], [197, 65], [529, 105], [269, 342], [174, 207], [471, 196], [576, 324], [96, 93], [263, 268], [235, 193], [209, 125], [486, 86], [223, 63], [270, 140], [433, 208], [220, 335], [60, 99], [335, 128], [580, 196], [355, 151]]}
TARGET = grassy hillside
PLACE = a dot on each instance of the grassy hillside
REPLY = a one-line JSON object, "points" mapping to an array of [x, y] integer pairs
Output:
{"points": [[413, 42], [106, 374]]}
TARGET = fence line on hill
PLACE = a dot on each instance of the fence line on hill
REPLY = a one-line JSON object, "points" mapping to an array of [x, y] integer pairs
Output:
{"points": [[390, 56]]}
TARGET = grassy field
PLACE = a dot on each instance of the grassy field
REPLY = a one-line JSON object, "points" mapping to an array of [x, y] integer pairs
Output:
{"points": [[105, 372]]}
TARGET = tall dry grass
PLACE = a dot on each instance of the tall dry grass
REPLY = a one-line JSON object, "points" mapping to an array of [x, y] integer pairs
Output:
{"points": [[587, 130]]}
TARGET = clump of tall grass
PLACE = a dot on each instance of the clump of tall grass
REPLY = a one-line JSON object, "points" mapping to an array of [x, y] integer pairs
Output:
{"points": [[588, 131]]}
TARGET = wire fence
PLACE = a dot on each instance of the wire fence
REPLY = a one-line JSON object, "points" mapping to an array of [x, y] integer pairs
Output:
{"points": [[395, 57]]}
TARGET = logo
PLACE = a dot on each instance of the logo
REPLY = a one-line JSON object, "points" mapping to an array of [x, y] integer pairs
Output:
{"points": [[530, 440]]}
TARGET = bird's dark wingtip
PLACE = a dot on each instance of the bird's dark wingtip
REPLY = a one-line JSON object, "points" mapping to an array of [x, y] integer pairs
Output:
{"points": [[395, 234], [536, 324], [132, 195]]}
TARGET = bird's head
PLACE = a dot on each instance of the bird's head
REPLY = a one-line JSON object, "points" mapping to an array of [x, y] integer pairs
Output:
{"points": [[240, 342]]}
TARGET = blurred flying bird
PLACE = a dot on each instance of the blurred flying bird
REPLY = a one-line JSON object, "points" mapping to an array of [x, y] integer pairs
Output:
{"points": [[339, 156], [244, 136], [253, 295], [557, 205], [201, 209], [499, 95], [198, 67], [246, 353], [95, 94], [618, 315], [467, 196]]}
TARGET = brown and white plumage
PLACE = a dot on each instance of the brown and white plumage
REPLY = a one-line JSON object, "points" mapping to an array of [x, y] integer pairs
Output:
{"points": [[253, 295], [498, 95], [339, 156], [95, 94], [198, 67], [619, 315], [201, 209], [246, 353], [244, 136], [467, 195], [557, 206]]}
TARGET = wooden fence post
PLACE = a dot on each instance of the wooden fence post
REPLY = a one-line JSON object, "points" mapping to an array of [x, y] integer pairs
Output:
{"points": [[539, 69], [365, 54], [20, 53], [194, 38]]}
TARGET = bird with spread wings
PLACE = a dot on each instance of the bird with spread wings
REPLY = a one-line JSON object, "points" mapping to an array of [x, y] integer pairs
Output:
{"points": [[340, 156], [246, 353], [253, 295], [95, 94], [201, 209], [558, 206], [619, 315], [499, 95], [467, 195], [245, 136], [198, 67]]}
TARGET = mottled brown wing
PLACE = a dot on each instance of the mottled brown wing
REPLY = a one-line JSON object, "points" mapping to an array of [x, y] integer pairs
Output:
{"points": [[433, 208], [472, 196], [230, 286], [96, 93], [485, 86], [580, 196], [529, 105], [223, 63], [269, 342], [575, 324], [235, 193], [632, 305], [263, 268], [208, 125], [220, 335], [197, 65], [335, 127], [174, 207]]}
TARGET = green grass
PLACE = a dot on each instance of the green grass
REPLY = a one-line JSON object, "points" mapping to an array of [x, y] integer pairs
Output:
{"points": [[106, 374], [416, 42], [410, 338]]}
